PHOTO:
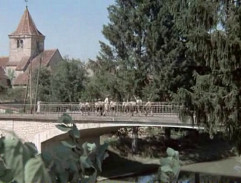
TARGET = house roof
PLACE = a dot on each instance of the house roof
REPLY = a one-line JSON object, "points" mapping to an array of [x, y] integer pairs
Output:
{"points": [[26, 26], [12, 64], [3, 61], [22, 79], [23, 64], [44, 57]]}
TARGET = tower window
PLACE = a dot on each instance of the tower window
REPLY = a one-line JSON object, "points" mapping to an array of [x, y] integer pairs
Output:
{"points": [[19, 43]]}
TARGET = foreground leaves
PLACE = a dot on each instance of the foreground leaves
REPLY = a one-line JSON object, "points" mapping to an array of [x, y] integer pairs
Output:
{"points": [[170, 166], [35, 171], [20, 162], [67, 162]]}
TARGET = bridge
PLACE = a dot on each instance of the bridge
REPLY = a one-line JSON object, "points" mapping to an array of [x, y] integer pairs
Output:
{"points": [[37, 123]]}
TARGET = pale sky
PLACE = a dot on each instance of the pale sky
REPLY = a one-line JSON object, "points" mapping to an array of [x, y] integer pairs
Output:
{"points": [[72, 26]]}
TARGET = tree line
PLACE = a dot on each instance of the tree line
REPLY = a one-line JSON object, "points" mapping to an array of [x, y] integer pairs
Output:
{"points": [[182, 50]]}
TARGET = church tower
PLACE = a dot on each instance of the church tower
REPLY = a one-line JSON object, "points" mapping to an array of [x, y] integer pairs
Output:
{"points": [[27, 53], [26, 41]]}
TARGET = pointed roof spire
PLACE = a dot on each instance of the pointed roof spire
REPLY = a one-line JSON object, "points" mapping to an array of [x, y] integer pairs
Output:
{"points": [[26, 26]]}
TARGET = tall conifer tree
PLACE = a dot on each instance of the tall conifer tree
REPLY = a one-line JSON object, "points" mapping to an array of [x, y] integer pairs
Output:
{"points": [[213, 34], [146, 49]]}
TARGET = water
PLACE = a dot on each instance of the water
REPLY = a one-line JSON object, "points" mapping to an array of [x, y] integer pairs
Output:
{"points": [[139, 179], [226, 170], [146, 179]]}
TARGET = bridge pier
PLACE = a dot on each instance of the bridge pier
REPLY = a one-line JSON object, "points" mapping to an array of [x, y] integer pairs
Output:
{"points": [[167, 133], [134, 139]]}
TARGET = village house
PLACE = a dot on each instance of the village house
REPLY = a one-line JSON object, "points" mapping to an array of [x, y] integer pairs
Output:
{"points": [[26, 53]]}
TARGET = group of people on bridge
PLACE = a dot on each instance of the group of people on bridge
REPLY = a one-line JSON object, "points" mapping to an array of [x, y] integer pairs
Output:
{"points": [[102, 108]]}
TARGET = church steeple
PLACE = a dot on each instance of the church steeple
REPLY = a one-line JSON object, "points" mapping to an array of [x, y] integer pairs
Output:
{"points": [[26, 26], [26, 41]]}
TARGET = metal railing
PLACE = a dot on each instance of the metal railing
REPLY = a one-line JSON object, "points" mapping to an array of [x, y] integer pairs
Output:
{"points": [[94, 109]]}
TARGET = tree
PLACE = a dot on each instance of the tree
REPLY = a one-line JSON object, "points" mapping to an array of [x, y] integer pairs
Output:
{"points": [[213, 38], [146, 49], [102, 81], [68, 81], [42, 84]]}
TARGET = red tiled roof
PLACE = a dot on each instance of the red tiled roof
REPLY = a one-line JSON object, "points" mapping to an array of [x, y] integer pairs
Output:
{"points": [[23, 64], [26, 26], [45, 58], [3, 61], [22, 79], [12, 63]]}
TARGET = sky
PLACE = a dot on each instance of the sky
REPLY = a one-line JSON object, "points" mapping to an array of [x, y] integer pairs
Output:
{"points": [[72, 26]]}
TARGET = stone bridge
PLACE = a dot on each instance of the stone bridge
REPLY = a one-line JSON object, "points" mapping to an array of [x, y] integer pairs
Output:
{"points": [[40, 127]]}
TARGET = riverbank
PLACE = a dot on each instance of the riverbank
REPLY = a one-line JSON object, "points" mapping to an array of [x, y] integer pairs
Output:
{"points": [[192, 147]]}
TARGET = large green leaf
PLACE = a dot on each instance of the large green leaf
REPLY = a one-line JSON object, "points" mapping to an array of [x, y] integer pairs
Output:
{"points": [[6, 174], [165, 161], [60, 172], [35, 171], [65, 118], [32, 148], [74, 132], [170, 166], [166, 169], [68, 144], [63, 127], [101, 155], [85, 149], [171, 152], [15, 156], [91, 147], [86, 162], [164, 177]]}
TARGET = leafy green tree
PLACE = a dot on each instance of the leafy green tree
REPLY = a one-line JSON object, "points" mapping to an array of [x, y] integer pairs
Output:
{"points": [[212, 31], [145, 49], [68, 81], [42, 84]]}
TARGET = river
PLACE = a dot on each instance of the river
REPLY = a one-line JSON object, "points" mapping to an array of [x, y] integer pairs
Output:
{"points": [[226, 170]]}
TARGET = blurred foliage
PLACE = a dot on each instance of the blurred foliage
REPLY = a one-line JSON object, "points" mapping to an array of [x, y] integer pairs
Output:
{"points": [[169, 167], [13, 94], [72, 163]]}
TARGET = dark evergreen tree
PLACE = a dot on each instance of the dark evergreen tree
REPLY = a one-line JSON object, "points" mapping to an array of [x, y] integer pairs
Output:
{"points": [[41, 84], [147, 50], [213, 39]]}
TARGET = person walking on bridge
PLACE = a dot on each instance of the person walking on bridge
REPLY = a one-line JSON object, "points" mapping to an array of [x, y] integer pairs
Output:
{"points": [[106, 105]]}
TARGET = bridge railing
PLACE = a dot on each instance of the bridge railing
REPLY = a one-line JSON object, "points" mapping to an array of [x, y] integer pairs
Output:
{"points": [[94, 109]]}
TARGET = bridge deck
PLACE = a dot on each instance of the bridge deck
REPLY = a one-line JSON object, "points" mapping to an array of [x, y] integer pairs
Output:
{"points": [[164, 120]]}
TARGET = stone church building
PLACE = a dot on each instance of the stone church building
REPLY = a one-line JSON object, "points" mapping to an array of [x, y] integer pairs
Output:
{"points": [[26, 53]]}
